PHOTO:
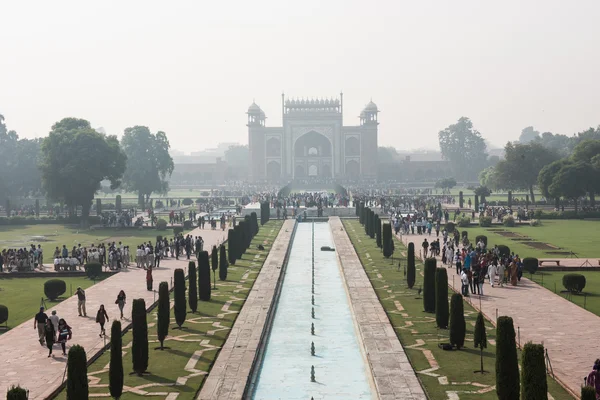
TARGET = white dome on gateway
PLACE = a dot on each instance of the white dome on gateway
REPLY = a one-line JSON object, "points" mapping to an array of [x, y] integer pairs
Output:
{"points": [[313, 142]]}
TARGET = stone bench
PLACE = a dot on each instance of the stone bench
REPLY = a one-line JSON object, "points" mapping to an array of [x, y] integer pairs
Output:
{"points": [[541, 262]]}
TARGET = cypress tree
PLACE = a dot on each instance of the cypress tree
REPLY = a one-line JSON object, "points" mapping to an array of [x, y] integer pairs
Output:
{"points": [[223, 264], [98, 206], [193, 293], [533, 373], [509, 199], [588, 393], [362, 215], [476, 204], [507, 363], [480, 337], [458, 325], [203, 276], [239, 241], [357, 210], [254, 220], [442, 314], [18, 393], [460, 199], [387, 240], [214, 261], [37, 207], [118, 203], [115, 368], [77, 381], [378, 231], [249, 234], [372, 224], [179, 296], [163, 313], [242, 240], [7, 208], [139, 347], [231, 246], [429, 285], [411, 271], [368, 222]]}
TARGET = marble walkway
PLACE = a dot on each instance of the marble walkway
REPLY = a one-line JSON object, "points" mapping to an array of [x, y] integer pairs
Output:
{"points": [[25, 362]]}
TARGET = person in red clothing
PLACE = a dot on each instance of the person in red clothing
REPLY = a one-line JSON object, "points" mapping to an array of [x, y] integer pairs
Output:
{"points": [[149, 277]]}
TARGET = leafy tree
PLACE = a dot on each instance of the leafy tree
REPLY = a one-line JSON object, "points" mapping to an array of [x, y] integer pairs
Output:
{"points": [[179, 296], [547, 174], [441, 298], [571, 181], [75, 159], [528, 135], [115, 368], [149, 164], [562, 144], [410, 266], [163, 313], [507, 362], [483, 192], [193, 293], [480, 337], [223, 264], [533, 373], [464, 148], [387, 155], [522, 164], [238, 155], [445, 184], [429, 285], [587, 151], [458, 326], [203, 276], [77, 381], [139, 347]]}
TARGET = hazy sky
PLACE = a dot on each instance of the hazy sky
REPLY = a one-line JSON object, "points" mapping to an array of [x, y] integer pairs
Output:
{"points": [[192, 68]]}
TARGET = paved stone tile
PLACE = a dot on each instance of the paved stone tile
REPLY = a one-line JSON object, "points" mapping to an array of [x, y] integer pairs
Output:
{"points": [[21, 351], [392, 376], [230, 373]]}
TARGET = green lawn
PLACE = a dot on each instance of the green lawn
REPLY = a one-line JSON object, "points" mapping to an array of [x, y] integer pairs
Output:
{"points": [[577, 236], [588, 299], [418, 333], [14, 236], [23, 296], [205, 331]]}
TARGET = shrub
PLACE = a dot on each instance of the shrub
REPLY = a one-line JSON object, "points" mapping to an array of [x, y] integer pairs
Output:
{"points": [[574, 283], [77, 381], [177, 230], [161, 224], [507, 363], [485, 221], [503, 250], [429, 285], [410, 266], [464, 222], [530, 264], [458, 326], [93, 270], [588, 393], [464, 235], [159, 204], [139, 346], [179, 296], [203, 276], [115, 368], [187, 225], [193, 293], [450, 227], [387, 240], [163, 313], [16, 393], [231, 243], [53, 288], [535, 222], [441, 298], [508, 221], [533, 373], [482, 238], [187, 201], [3, 313], [223, 264]]}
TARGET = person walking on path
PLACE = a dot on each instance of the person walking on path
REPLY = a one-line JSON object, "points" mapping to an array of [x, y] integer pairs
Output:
{"points": [[39, 321], [81, 302], [464, 279], [54, 318], [64, 333], [101, 318], [149, 278], [50, 335], [121, 300], [492, 273], [593, 378]]}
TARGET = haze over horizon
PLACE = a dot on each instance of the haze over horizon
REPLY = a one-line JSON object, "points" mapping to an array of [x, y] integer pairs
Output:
{"points": [[191, 69]]}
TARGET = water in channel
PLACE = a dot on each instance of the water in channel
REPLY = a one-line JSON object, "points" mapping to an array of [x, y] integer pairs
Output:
{"points": [[340, 367]]}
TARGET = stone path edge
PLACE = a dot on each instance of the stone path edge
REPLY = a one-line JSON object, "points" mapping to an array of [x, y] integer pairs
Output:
{"points": [[392, 372], [231, 375]]}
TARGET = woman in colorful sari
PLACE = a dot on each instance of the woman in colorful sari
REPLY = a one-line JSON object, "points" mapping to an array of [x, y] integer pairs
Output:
{"points": [[513, 273]]}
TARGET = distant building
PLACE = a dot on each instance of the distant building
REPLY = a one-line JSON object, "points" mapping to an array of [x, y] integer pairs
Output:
{"points": [[313, 142]]}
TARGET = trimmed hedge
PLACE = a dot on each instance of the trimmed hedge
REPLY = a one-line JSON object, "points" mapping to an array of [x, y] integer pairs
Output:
{"points": [[450, 227], [204, 286], [574, 283], [161, 224], [163, 314], [77, 381], [139, 346], [458, 326], [464, 222], [588, 393], [223, 264], [530, 264], [461, 200], [485, 221], [442, 313], [480, 334], [118, 203], [533, 373], [503, 250], [231, 243], [187, 201], [177, 230], [93, 270], [16, 393], [53, 288], [378, 231], [115, 367], [507, 362], [387, 240], [179, 296], [464, 234], [254, 223], [193, 293], [483, 238], [410, 266], [3, 313], [429, 285], [508, 221]]}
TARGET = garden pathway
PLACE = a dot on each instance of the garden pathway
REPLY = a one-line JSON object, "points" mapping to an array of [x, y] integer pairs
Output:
{"points": [[25, 362], [565, 329]]}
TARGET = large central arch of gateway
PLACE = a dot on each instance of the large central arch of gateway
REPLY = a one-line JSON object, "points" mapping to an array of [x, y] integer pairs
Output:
{"points": [[312, 142]]}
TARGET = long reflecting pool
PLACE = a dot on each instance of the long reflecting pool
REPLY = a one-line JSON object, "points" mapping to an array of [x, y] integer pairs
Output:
{"points": [[340, 367]]}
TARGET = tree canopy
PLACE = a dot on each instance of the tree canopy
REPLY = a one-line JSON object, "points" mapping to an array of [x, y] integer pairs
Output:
{"points": [[75, 159], [387, 154], [571, 181], [528, 135], [238, 155], [464, 148], [149, 164]]}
